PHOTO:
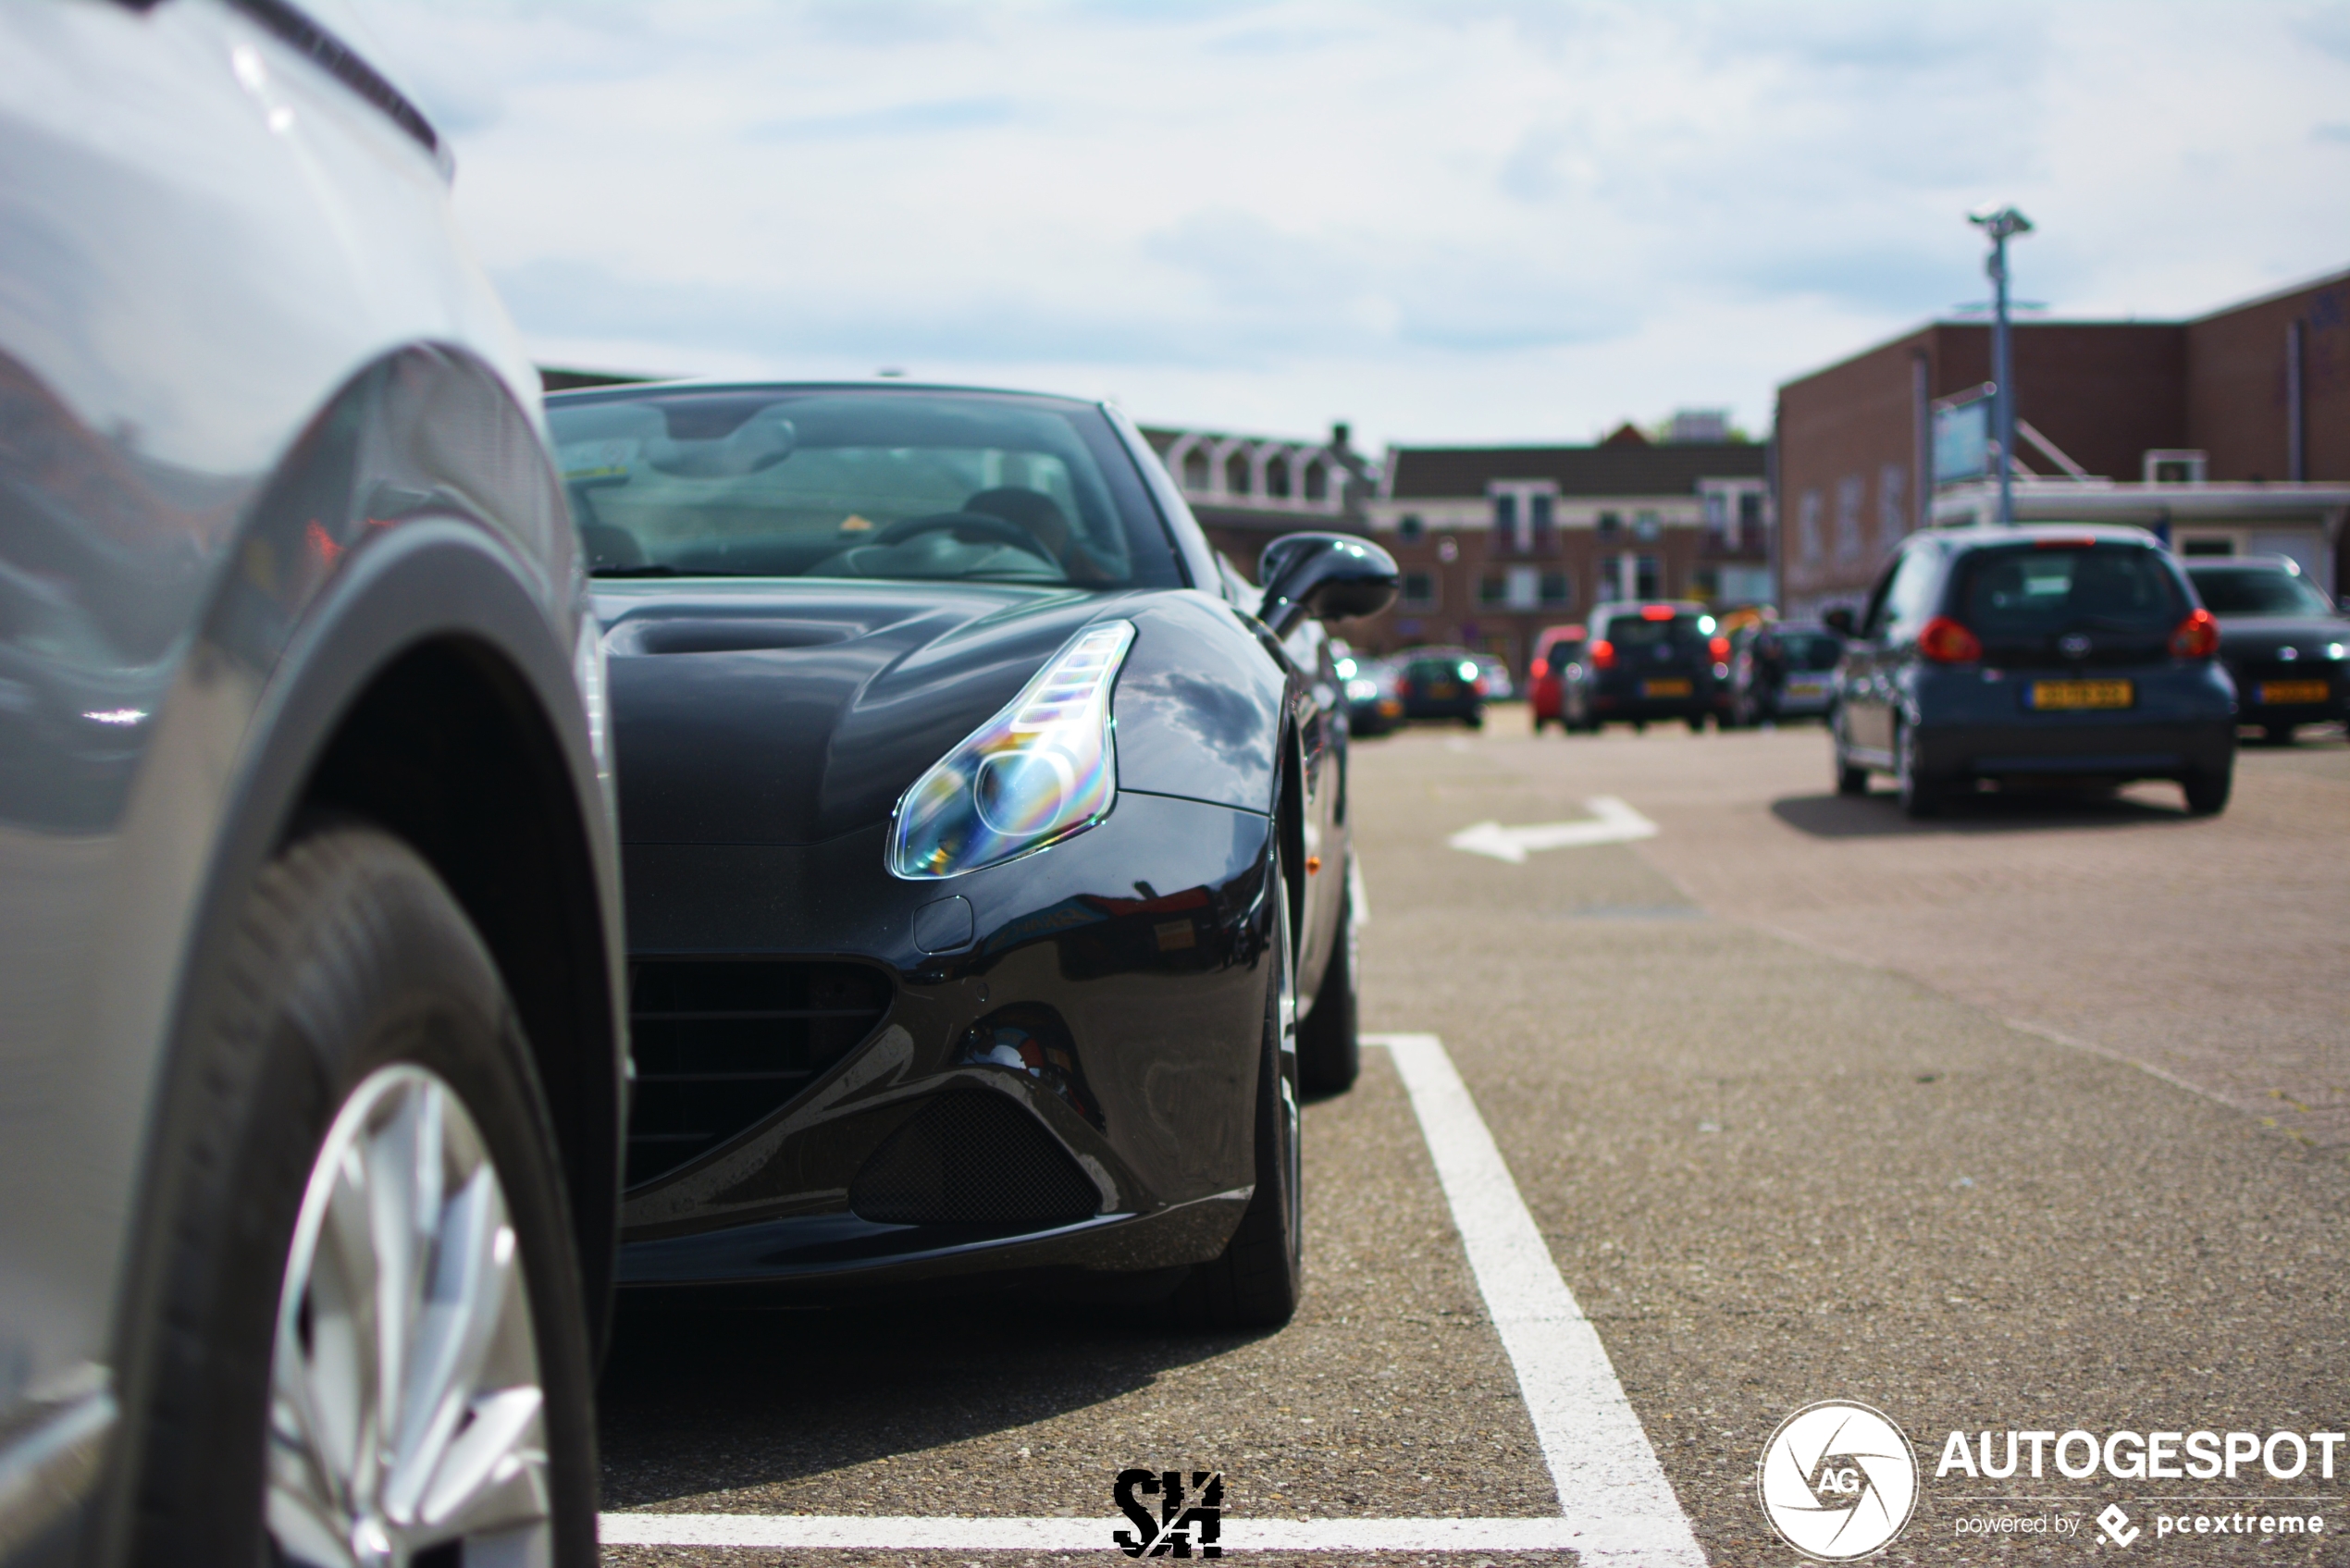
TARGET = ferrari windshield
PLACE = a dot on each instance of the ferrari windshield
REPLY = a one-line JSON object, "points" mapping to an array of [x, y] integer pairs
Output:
{"points": [[856, 482]]}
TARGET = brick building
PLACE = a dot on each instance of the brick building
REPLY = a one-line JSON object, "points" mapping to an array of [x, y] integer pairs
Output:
{"points": [[1248, 491], [1498, 542], [2229, 434]]}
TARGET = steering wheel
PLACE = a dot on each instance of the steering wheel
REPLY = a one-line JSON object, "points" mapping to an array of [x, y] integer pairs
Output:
{"points": [[963, 522]]}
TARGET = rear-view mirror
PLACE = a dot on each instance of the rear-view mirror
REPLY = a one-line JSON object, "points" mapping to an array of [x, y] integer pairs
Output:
{"points": [[1330, 576], [1838, 621]]}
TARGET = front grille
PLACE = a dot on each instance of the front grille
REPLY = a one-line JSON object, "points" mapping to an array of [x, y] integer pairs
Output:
{"points": [[721, 1043], [971, 1158]]}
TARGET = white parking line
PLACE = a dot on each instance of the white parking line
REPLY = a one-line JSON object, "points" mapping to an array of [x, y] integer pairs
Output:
{"points": [[1613, 1498], [1616, 1506]]}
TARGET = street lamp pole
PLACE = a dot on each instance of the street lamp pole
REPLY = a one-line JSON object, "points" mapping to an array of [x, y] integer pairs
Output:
{"points": [[2000, 223]]}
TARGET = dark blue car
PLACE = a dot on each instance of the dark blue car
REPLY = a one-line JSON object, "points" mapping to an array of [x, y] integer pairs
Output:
{"points": [[2062, 651]]}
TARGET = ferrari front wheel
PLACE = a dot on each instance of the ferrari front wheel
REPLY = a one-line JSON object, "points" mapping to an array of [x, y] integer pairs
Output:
{"points": [[1256, 1280]]}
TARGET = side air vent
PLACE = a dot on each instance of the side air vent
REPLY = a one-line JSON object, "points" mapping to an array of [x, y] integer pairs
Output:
{"points": [[721, 1043], [971, 1158]]}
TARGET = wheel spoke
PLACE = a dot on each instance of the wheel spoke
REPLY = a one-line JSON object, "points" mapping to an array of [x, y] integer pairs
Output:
{"points": [[406, 1409]]}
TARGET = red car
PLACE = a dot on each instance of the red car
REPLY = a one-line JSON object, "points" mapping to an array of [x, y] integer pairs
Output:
{"points": [[1546, 677]]}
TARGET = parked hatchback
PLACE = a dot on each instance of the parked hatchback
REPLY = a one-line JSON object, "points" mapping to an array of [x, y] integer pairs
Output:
{"points": [[1554, 649], [1646, 661], [1440, 683], [2281, 639], [2055, 650], [1782, 670]]}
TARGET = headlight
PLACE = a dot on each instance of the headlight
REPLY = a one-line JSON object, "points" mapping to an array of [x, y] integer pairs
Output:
{"points": [[1361, 689], [1041, 770], [2335, 650]]}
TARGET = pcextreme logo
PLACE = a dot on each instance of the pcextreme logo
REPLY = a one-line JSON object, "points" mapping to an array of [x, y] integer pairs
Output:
{"points": [[1838, 1480]]}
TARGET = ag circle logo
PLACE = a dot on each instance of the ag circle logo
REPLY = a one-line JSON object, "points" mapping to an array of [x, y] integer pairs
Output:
{"points": [[1838, 1480]]}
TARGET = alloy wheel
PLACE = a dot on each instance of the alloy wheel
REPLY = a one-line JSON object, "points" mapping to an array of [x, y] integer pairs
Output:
{"points": [[406, 1407], [1285, 1021]]}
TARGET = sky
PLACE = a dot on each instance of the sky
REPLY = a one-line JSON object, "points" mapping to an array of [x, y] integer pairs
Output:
{"points": [[1474, 221]]}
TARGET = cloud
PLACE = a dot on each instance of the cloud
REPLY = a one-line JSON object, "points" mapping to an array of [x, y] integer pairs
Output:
{"points": [[1458, 219], [943, 117]]}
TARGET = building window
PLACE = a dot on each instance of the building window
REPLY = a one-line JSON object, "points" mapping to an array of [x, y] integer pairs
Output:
{"points": [[1505, 512], [1196, 471], [1277, 478], [1236, 474], [1419, 590], [1648, 581], [1645, 525], [1750, 509], [1492, 588], [1318, 483], [1892, 516], [1717, 512], [1847, 516], [1409, 528], [1526, 588], [1539, 506], [1610, 586], [1609, 522], [1558, 588]]}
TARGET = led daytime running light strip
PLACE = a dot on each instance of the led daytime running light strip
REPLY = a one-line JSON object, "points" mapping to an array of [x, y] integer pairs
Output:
{"points": [[1041, 770]]}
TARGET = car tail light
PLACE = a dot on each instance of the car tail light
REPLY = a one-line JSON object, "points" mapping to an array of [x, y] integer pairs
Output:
{"points": [[1603, 655], [1720, 649], [2198, 636], [1478, 686], [1538, 670], [1656, 612], [1946, 642]]}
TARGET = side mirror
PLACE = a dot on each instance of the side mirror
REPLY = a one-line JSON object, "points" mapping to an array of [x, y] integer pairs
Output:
{"points": [[1329, 576], [1838, 621]]}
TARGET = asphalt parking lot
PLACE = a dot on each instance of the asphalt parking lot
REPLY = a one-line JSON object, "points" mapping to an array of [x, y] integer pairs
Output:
{"points": [[2037, 1117]]}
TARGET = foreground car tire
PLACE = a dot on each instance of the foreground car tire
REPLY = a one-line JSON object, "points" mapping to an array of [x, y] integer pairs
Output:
{"points": [[374, 1346], [1851, 777], [1257, 1281], [1329, 1044], [2208, 792], [1921, 796]]}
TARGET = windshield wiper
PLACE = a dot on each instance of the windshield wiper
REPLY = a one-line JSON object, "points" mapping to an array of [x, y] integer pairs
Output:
{"points": [[646, 571]]}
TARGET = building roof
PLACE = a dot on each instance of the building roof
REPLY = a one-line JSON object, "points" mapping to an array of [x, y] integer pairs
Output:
{"points": [[1670, 469]]}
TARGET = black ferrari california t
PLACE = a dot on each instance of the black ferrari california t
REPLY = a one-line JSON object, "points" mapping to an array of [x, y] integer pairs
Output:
{"points": [[985, 847]]}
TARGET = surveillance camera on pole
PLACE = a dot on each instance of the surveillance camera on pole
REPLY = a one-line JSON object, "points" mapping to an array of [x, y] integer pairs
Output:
{"points": [[2000, 223]]}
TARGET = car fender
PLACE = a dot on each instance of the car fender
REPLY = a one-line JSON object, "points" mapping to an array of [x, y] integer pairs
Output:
{"points": [[418, 509], [1200, 705]]}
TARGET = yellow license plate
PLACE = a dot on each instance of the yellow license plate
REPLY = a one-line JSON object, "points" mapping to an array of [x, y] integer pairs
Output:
{"points": [[1444, 689], [2279, 693], [2082, 694], [1664, 688]]}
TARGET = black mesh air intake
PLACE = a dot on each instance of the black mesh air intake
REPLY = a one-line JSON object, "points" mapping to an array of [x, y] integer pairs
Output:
{"points": [[971, 1158], [723, 1043]]}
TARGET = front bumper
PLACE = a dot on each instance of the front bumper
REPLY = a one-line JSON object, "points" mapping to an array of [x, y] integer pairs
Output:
{"points": [[1137, 946]]}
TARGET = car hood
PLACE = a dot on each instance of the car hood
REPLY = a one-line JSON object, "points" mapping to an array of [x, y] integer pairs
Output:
{"points": [[793, 713], [2253, 636]]}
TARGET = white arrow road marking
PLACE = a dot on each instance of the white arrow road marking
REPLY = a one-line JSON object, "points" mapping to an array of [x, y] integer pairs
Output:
{"points": [[1615, 1507], [1613, 823]]}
